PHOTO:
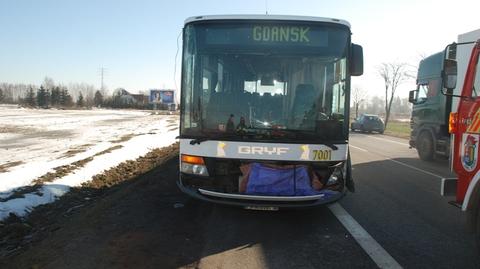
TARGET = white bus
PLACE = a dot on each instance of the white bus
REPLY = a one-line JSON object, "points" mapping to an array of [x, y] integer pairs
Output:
{"points": [[265, 108]]}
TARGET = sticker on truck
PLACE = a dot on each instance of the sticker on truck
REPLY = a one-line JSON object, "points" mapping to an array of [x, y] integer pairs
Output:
{"points": [[469, 151]]}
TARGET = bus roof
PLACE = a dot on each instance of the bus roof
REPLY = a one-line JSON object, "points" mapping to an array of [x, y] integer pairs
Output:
{"points": [[266, 17]]}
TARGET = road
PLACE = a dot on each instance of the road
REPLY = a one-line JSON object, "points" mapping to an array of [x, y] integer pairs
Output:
{"points": [[397, 201], [396, 212]]}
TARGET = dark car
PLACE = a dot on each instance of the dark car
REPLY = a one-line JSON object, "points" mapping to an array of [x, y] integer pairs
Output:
{"points": [[368, 123]]}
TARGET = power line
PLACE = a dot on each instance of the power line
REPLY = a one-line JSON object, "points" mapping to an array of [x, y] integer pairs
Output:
{"points": [[175, 64]]}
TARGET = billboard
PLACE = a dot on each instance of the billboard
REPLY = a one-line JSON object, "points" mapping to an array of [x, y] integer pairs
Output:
{"points": [[162, 96]]}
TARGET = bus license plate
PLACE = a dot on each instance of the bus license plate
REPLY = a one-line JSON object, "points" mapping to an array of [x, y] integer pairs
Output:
{"points": [[262, 208]]}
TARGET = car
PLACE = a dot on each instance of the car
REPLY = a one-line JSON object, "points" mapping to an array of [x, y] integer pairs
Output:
{"points": [[368, 123]]}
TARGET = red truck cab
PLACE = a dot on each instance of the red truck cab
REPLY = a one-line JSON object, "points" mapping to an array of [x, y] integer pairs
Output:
{"points": [[464, 126]]}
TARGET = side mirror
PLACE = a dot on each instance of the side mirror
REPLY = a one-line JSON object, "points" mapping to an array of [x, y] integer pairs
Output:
{"points": [[356, 61], [412, 96], [449, 74]]}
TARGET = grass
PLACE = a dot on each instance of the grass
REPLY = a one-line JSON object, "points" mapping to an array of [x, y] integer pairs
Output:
{"points": [[398, 129], [123, 138], [4, 167], [59, 172]]}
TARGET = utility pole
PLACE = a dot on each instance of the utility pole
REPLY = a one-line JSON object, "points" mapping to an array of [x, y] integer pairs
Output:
{"points": [[102, 76]]}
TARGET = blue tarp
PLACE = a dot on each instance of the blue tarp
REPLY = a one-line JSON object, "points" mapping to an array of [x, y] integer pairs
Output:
{"points": [[264, 180]]}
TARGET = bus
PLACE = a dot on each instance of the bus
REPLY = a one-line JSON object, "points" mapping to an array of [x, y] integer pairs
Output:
{"points": [[264, 111]]}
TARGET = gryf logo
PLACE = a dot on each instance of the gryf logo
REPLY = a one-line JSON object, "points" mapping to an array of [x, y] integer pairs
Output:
{"points": [[305, 152], [221, 149], [261, 150]]}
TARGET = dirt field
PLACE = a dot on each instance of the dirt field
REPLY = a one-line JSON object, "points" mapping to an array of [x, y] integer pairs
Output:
{"points": [[110, 223]]}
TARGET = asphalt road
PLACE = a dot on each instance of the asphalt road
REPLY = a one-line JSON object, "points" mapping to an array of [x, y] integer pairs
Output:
{"points": [[149, 223], [398, 202]]}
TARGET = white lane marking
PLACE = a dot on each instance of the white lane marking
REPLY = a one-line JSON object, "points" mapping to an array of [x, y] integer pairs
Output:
{"points": [[388, 140], [415, 168], [378, 254], [404, 164], [364, 150]]}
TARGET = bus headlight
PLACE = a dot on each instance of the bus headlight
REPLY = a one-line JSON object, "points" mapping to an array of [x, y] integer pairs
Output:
{"points": [[194, 169], [193, 165]]}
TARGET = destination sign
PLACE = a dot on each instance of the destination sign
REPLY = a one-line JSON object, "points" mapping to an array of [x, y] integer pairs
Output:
{"points": [[277, 35], [281, 34]]}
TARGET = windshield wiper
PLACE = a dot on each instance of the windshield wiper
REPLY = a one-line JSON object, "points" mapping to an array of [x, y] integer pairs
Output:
{"points": [[203, 139], [301, 135], [330, 145], [198, 140]]}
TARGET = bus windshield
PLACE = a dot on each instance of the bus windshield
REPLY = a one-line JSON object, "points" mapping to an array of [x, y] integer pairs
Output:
{"points": [[258, 78]]}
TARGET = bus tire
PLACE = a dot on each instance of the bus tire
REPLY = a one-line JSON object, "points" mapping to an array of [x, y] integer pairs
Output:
{"points": [[425, 146], [349, 183], [477, 229]]}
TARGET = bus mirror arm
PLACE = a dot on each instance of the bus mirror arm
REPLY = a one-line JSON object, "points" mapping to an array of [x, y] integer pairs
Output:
{"points": [[446, 92]]}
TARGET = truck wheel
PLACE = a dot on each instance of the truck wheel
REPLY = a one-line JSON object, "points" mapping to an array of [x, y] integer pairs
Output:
{"points": [[425, 146]]}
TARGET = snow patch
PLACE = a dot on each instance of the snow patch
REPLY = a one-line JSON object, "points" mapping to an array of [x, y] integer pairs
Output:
{"points": [[94, 131]]}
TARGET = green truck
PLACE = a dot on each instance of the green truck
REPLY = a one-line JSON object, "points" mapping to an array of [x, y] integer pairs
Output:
{"points": [[431, 109]]}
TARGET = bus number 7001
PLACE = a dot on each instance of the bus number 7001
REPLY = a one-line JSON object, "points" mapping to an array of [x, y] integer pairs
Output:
{"points": [[322, 155]]}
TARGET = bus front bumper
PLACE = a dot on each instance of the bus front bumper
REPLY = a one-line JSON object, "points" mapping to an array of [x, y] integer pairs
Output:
{"points": [[261, 201]]}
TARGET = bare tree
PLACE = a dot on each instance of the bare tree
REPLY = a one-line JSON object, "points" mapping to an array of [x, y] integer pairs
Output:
{"points": [[393, 74], [358, 96], [48, 83], [14, 93]]}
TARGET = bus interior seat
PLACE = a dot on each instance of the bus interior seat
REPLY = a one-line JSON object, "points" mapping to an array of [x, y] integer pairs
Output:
{"points": [[223, 104], [302, 103]]}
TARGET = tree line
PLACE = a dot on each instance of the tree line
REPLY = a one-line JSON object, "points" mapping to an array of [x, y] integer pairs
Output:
{"points": [[49, 94], [57, 96]]}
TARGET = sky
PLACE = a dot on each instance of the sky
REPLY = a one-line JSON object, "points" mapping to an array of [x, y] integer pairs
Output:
{"points": [[136, 41]]}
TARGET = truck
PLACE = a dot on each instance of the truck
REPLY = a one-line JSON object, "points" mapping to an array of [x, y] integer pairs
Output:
{"points": [[464, 126], [264, 110], [430, 108]]}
